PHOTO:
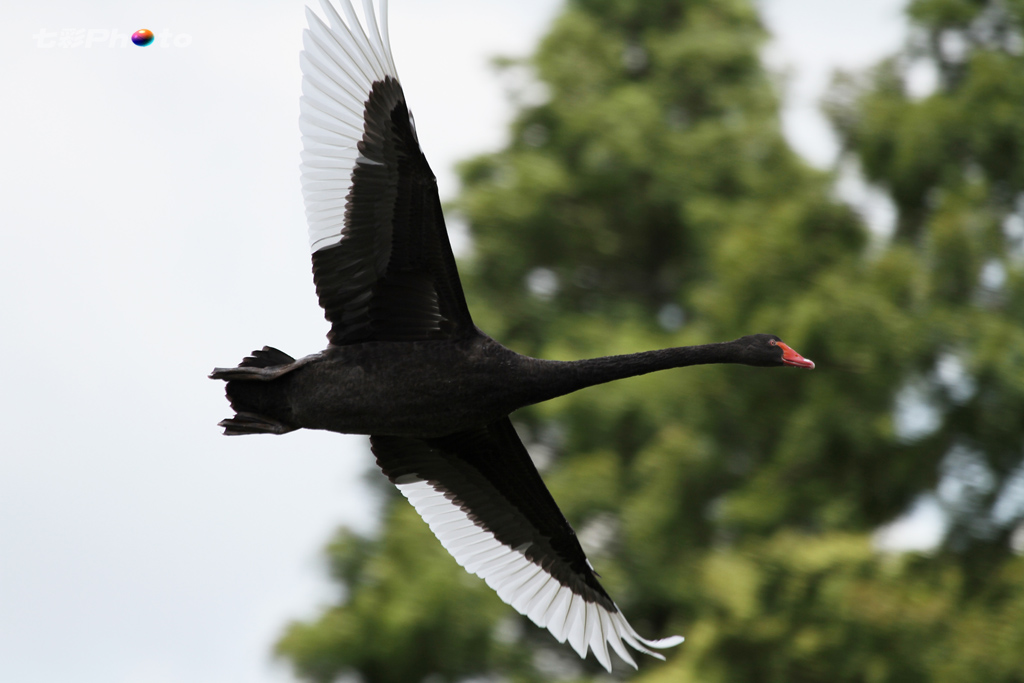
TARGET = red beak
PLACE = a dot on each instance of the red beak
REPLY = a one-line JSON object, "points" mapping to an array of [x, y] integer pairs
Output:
{"points": [[791, 357]]}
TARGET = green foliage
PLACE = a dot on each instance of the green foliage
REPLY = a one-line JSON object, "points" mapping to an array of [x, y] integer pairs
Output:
{"points": [[651, 201], [439, 622]]}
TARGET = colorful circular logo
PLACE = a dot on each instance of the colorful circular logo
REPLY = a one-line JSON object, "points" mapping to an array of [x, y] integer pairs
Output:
{"points": [[142, 37]]}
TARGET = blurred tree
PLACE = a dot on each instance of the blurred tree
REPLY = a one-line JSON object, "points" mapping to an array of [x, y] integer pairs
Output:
{"points": [[648, 199]]}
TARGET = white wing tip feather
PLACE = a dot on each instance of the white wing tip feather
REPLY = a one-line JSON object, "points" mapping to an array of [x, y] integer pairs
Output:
{"points": [[523, 585], [341, 60]]}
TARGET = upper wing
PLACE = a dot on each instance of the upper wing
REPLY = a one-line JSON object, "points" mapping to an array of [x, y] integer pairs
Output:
{"points": [[382, 263], [484, 500]]}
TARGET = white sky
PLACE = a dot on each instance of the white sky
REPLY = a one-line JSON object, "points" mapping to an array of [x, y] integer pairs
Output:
{"points": [[152, 227]]}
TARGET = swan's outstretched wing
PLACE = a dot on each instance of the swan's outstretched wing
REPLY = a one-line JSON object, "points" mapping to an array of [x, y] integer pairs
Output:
{"points": [[484, 500], [382, 263]]}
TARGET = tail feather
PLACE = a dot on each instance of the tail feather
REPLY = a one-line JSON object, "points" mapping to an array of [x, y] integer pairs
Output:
{"points": [[250, 423], [266, 357], [256, 391], [264, 364]]}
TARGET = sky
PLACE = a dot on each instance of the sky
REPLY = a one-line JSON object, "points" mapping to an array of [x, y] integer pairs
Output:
{"points": [[152, 228]]}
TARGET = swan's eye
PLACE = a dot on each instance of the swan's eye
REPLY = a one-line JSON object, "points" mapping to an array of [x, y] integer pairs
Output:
{"points": [[772, 342]]}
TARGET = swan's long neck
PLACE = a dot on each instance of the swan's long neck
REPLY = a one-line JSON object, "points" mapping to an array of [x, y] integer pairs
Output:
{"points": [[557, 378]]}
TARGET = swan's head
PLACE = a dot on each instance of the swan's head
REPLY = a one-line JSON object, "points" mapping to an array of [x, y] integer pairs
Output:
{"points": [[768, 350]]}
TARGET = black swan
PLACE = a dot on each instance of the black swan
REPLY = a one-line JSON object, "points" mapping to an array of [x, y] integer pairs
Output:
{"points": [[406, 365]]}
